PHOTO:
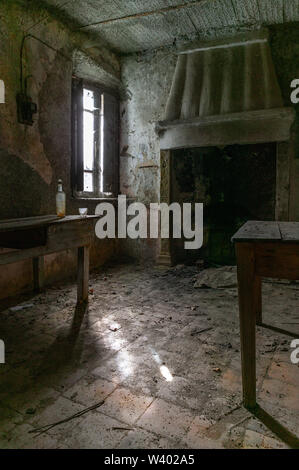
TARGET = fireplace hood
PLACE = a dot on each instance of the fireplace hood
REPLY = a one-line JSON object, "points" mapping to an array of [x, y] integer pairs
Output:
{"points": [[223, 93]]}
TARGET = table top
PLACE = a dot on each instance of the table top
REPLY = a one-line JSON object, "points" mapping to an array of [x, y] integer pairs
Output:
{"points": [[259, 231], [39, 221]]}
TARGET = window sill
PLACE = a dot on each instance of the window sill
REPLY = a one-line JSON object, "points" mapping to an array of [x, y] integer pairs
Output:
{"points": [[100, 199], [83, 198]]}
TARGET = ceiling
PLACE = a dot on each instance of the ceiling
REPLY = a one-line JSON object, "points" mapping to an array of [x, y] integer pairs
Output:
{"points": [[129, 26]]}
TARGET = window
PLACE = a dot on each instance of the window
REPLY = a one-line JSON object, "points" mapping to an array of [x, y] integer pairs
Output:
{"points": [[95, 141]]}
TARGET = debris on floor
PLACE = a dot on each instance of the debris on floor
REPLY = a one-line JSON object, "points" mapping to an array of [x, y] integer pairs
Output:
{"points": [[163, 356], [17, 308], [217, 278]]}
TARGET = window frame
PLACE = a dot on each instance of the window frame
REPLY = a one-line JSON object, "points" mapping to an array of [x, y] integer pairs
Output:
{"points": [[78, 144]]}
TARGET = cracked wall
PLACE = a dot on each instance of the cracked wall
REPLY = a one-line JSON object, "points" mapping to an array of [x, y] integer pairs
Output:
{"points": [[34, 157], [147, 80]]}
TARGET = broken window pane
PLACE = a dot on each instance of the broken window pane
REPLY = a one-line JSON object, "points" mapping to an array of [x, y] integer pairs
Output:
{"points": [[88, 140], [98, 152], [88, 99]]}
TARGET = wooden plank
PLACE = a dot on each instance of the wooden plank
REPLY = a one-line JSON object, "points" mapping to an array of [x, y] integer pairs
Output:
{"points": [[277, 260], [25, 223], [83, 274], [73, 218], [283, 164], [20, 255], [111, 144], [247, 284], [57, 233], [28, 222], [257, 231], [77, 132], [257, 297], [289, 231]]}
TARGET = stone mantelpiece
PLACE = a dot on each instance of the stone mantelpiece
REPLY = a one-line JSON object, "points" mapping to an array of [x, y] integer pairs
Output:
{"points": [[272, 125]]}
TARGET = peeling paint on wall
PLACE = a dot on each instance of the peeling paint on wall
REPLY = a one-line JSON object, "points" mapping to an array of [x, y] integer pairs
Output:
{"points": [[148, 80], [34, 157], [25, 141]]}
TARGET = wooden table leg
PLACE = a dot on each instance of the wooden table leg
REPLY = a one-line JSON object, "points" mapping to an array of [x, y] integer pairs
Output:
{"points": [[258, 300], [83, 274], [38, 273], [247, 285]]}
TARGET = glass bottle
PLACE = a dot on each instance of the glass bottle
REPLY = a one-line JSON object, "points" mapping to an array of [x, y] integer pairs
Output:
{"points": [[60, 200]]}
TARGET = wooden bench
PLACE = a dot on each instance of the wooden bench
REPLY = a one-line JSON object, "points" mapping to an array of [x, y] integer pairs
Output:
{"points": [[263, 249]]}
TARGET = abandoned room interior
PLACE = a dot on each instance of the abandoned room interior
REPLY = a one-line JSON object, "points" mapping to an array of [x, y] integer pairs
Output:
{"points": [[149, 224]]}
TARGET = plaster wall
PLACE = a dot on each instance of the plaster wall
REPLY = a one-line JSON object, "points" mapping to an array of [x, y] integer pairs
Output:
{"points": [[33, 158], [147, 80]]}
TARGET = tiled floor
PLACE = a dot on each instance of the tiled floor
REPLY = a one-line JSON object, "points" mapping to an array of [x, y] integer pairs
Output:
{"points": [[159, 358]]}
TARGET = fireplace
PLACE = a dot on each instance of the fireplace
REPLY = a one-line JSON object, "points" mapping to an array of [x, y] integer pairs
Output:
{"points": [[232, 188], [225, 141]]}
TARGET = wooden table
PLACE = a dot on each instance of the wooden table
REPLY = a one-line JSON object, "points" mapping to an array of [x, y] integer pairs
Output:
{"points": [[263, 249], [34, 237]]}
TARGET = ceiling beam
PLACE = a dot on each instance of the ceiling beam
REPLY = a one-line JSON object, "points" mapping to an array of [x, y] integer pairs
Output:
{"points": [[146, 13]]}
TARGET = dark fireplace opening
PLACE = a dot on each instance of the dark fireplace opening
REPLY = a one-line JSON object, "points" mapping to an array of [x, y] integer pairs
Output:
{"points": [[236, 183]]}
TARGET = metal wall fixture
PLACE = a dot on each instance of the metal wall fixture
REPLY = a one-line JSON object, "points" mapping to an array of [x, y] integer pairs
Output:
{"points": [[25, 106]]}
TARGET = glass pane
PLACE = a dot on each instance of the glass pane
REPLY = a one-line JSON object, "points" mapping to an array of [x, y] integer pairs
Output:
{"points": [[88, 99], [102, 144], [88, 182], [88, 140]]}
